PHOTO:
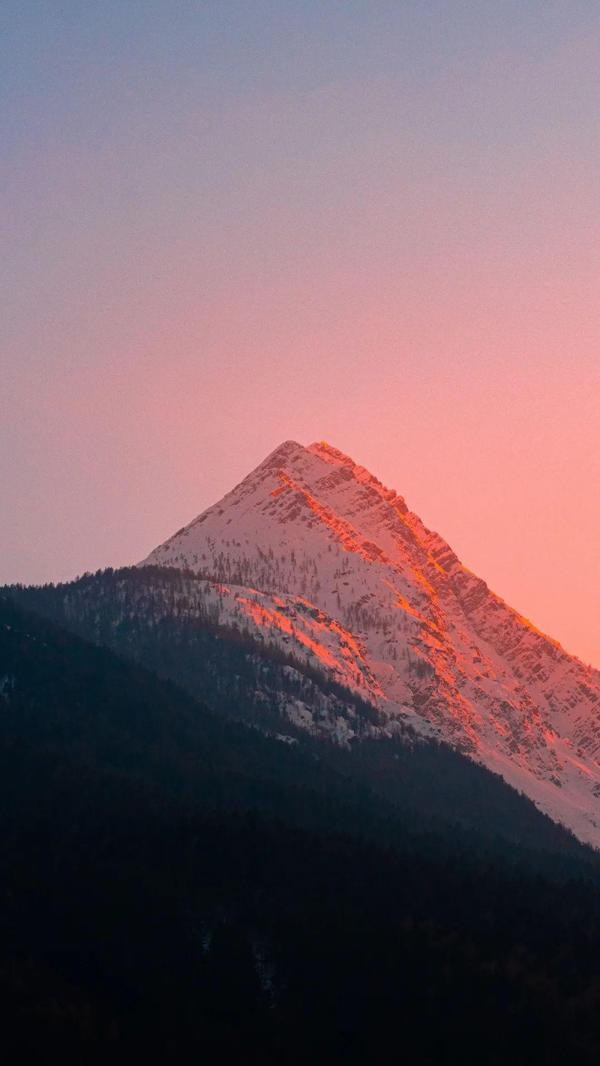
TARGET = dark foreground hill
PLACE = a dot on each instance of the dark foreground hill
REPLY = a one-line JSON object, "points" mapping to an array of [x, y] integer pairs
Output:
{"points": [[179, 887]]}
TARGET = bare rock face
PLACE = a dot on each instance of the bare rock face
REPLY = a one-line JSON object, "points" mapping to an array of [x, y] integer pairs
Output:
{"points": [[313, 552]]}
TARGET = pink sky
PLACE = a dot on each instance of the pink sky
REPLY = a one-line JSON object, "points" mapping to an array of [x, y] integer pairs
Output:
{"points": [[372, 226]]}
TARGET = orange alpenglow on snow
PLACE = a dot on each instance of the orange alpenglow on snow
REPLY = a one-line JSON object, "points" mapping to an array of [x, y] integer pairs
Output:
{"points": [[317, 555]]}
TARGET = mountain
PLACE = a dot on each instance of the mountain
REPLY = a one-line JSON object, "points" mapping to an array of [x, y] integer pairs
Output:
{"points": [[312, 553], [177, 886]]}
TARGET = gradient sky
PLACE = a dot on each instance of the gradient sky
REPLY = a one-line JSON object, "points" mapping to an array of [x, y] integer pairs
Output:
{"points": [[228, 224]]}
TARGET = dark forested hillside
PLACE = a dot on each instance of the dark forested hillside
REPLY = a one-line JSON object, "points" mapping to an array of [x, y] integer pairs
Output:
{"points": [[176, 886], [149, 615], [162, 618]]}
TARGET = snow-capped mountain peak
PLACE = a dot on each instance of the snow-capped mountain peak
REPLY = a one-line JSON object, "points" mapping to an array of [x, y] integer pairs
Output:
{"points": [[312, 541]]}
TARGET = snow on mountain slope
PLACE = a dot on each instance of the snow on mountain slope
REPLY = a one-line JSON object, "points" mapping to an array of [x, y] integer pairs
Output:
{"points": [[315, 550]]}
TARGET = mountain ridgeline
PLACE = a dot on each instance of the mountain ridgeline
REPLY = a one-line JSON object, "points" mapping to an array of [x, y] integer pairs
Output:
{"points": [[314, 550], [360, 624], [298, 787]]}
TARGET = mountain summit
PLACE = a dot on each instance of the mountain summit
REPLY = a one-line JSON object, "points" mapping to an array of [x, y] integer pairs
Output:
{"points": [[312, 552]]}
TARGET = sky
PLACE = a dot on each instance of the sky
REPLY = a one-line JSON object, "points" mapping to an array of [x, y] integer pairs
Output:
{"points": [[227, 224]]}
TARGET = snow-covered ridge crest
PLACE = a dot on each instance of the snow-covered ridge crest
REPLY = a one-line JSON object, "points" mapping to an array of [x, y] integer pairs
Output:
{"points": [[441, 650]]}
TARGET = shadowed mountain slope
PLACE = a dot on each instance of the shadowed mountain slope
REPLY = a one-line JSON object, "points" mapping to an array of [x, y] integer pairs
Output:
{"points": [[158, 617]]}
